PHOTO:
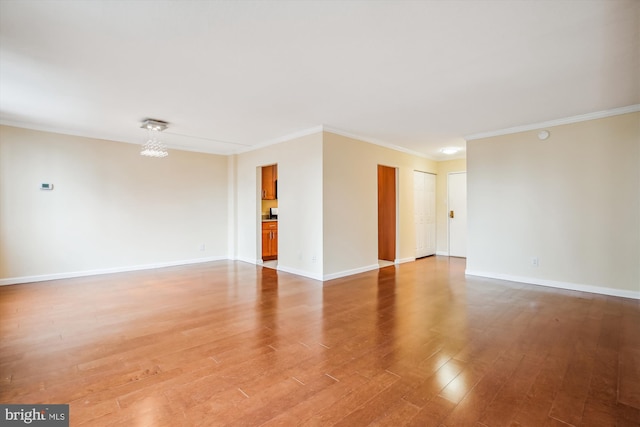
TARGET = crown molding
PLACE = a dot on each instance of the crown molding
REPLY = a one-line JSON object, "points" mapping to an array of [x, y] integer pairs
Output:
{"points": [[53, 129], [283, 138], [557, 122], [376, 142], [103, 137], [324, 128], [263, 144]]}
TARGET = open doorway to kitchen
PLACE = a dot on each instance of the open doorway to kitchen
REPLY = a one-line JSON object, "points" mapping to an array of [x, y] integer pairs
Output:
{"points": [[269, 215]]}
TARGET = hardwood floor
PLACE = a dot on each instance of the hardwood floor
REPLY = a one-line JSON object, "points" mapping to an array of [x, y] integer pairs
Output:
{"points": [[229, 343]]}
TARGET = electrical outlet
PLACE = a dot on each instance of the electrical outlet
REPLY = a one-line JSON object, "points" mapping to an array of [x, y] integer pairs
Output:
{"points": [[313, 258], [535, 262], [202, 247]]}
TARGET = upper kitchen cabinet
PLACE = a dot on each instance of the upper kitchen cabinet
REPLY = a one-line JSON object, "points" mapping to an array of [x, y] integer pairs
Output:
{"points": [[270, 182]]}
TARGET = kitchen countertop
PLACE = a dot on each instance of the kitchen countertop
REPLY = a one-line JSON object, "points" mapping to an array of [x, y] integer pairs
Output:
{"points": [[269, 220]]}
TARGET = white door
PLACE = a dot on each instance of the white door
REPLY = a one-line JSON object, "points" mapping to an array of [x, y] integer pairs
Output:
{"points": [[424, 189], [457, 214]]}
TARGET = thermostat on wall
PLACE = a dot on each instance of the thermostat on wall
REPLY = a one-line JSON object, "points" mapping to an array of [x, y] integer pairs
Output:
{"points": [[44, 186]]}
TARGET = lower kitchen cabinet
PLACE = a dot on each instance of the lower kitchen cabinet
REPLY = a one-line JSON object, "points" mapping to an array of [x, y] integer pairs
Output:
{"points": [[269, 240]]}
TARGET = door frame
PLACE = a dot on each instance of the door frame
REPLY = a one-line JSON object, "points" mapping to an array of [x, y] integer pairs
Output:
{"points": [[259, 260]]}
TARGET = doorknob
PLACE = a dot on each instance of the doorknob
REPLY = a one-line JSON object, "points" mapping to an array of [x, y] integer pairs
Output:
{"points": [[451, 214]]}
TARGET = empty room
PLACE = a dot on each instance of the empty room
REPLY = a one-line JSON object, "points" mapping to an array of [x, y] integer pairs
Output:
{"points": [[261, 213]]}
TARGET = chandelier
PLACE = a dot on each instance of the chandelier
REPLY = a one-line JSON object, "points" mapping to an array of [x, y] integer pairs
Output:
{"points": [[154, 147]]}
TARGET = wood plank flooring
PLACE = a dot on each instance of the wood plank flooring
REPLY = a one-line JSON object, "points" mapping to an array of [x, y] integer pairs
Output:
{"points": [[229, 343]]}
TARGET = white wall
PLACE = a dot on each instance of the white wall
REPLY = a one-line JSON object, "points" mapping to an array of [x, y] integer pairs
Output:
{"points": [[350, 200], [113, 210], [110, 209], [572, 201], [299, 204]]}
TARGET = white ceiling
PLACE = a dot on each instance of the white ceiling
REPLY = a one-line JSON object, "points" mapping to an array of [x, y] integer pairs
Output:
{"points": [[228, 75]]}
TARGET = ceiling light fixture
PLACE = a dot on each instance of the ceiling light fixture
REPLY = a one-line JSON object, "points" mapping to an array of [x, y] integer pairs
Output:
{"points": [[154, 147], [450, 150], [543, 134]]}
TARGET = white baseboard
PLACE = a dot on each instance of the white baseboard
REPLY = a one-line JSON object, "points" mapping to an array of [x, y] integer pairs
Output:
{"points": [[72, 274], [298, 272], [249, 260], [556, 284], [520, 279], [403, 260], [442, 253], [345, 273]]}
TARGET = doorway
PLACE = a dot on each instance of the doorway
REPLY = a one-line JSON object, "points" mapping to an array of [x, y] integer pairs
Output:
{"points": [[269, 215], [457, 215], [424, 191], [386, 213]]}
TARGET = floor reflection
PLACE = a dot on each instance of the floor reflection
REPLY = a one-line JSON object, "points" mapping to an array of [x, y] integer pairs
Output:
{"points": [[267, 301], [239, 343]]}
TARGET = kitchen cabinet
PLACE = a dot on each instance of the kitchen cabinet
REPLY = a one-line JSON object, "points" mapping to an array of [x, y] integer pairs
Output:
{"points": [[269, 240], [269, 182]]}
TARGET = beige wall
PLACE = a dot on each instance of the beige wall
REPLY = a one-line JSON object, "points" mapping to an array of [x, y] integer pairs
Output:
{"points": [[266, 205], [442, 219], [572, 201], [114, 210], [327, 202], [350, 195], [110, 208], [299, 204]]}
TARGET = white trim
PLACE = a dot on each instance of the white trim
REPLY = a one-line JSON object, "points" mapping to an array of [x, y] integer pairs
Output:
{"points": [[397, 191], [243, 148], [351, 272], [442, 253], [403, 260], [557, 122], [53, 129], [297, 272], [376, 142], [249, 260], [112, 138], [323, 128], [284, 138], [73, 274], [603, 290], [240, 147]]}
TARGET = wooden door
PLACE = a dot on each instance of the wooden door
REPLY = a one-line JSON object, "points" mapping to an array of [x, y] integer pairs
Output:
{"points": [[386, 213]]}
